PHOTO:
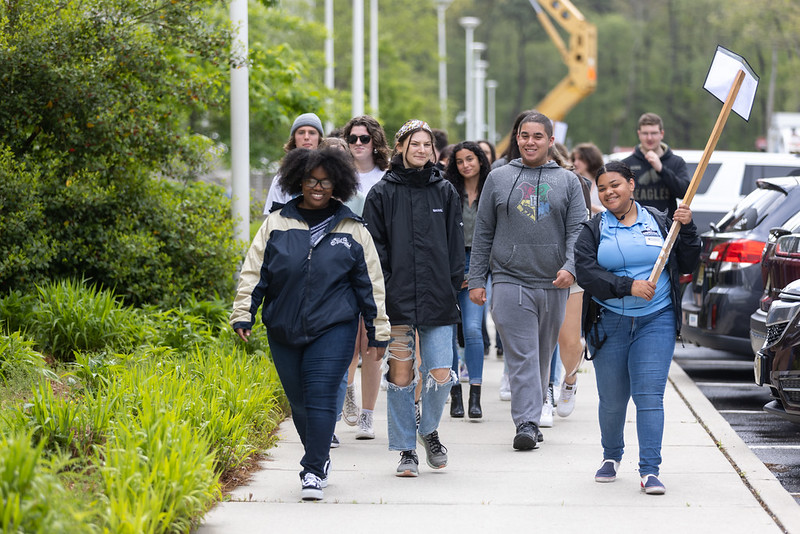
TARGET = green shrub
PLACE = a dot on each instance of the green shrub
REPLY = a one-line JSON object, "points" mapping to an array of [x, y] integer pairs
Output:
{"points": [[26, 247], [157, 469], [71, 316], [31, 497], [16, 310], [19, 361]]}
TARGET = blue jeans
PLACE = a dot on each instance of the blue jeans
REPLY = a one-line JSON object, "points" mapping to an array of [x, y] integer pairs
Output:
{"points": [[435, 353], [634, 361], [472, 320], [311, 376]]}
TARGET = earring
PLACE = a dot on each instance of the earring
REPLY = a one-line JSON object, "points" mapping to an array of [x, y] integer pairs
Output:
{"points": [[374, 150]]}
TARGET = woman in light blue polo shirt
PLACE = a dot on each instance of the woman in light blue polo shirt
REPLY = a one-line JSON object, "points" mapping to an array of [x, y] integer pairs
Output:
{"points": [[630, 323]]}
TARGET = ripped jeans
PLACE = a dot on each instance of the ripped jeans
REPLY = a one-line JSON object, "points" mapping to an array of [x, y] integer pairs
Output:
{"points": [[436, 352]]}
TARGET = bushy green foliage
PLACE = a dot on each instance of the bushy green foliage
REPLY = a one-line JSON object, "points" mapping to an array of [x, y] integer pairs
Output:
{"points": [[94, 140], [72, 316], [31, 497], [19, 361], [16, 311]]}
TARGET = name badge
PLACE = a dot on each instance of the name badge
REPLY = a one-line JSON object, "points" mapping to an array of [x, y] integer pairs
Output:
{"points": [[652, 237]]}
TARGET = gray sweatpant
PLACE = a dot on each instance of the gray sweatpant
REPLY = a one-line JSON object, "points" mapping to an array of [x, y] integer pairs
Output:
{"points": [[528, 321]]}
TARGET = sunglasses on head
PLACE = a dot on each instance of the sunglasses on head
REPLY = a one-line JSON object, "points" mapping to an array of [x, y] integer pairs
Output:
{"points": [[363, 138]]}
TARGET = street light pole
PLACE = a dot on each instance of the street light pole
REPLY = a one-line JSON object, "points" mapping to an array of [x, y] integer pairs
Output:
{"points": [[240, 125], [469, 24], [373, 57], [491, 88], [329, 62], [441, 7], [479, 76], [358, 59]]}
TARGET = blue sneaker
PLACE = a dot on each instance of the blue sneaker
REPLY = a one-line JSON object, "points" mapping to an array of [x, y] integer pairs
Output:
{"points": [[652, 486], [607, 472], [311, 489]]}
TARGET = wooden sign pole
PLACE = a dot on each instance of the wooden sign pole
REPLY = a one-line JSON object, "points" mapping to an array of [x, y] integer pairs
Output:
{"points": [[698, 174]]}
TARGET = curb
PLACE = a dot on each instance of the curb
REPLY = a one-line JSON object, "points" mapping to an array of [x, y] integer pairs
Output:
{"points": [[761, 482]]}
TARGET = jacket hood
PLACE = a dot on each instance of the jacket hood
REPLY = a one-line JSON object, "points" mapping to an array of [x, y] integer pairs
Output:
{"points": [[519, 164], [419, 177], [637, 152]]}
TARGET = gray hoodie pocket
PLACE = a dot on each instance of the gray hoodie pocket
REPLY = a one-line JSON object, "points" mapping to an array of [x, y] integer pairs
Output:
{"points": [[534, 261]]}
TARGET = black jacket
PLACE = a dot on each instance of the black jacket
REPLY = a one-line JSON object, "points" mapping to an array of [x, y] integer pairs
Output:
{"points": [[414, 217], [659, 189], [598, 282]]}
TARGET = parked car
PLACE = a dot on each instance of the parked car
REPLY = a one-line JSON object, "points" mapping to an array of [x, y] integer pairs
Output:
{"points": [[726, 285], [777, 364], [729, 176], [779, 266]]}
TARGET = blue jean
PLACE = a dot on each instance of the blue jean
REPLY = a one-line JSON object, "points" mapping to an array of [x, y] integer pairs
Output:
{"points": [[633, 361], [435, 353], [311, 376], [472, 320]]}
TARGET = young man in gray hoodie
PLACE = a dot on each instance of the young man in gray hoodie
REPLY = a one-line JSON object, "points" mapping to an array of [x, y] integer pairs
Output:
{"points": [[528, 221]]}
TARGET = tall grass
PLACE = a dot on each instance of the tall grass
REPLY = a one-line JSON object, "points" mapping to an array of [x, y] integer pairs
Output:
{"points": [[72, 316]]}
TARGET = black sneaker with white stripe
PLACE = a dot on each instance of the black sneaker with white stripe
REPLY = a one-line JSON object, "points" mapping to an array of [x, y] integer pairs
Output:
{"points": [[311, 488]]}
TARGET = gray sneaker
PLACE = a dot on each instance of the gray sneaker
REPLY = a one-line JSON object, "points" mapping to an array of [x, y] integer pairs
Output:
{"points": [[435, 452], [365, 428], [409, 464], [350, 409], [527, 436]]}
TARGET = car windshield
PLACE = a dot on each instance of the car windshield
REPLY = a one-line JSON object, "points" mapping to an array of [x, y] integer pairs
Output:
{"points": [[749, 211]]}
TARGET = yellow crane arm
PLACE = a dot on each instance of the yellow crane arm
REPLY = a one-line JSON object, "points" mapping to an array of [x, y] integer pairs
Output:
{"points": [[580, 58]]}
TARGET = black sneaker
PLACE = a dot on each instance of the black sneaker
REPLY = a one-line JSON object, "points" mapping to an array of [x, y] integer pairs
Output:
{"points": [[311, 488], [417, 412], [527, 436], [409, 464], [435, 452], [334, 442]]}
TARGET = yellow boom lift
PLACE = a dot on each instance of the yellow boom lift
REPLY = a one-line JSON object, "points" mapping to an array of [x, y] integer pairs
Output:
{"points": [[580, 58]]}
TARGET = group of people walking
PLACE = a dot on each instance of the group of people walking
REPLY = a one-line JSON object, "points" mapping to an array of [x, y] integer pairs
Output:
{"points": [[372, 257]]}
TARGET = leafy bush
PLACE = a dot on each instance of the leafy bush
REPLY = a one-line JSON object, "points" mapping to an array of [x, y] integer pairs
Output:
{"points": [[19, 361], [16, 311], [72, 316], [31, 497]]}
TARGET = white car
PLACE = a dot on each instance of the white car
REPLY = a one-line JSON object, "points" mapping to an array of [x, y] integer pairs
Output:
{"points": [[728, 178]]}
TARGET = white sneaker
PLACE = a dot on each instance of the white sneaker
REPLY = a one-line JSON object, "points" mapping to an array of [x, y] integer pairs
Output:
{"points": [[365, 428], [463, 375], [505, 388], [350, 409], [546, 421], [566, 403]]}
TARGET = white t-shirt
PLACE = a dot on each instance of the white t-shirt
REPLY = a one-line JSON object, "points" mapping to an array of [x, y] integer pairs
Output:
{"points": [[367, 179], [275, 195]]}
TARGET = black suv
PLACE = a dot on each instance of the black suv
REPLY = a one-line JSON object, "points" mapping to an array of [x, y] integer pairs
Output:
{"points": [[726, 285]]}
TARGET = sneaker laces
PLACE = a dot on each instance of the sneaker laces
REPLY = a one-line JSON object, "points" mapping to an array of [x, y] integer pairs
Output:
{"points": [[310, 479], [408, 455], [434, 444]]}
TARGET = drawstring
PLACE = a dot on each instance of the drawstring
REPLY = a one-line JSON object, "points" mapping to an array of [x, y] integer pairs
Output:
{"points": [[508, 200], [538, 182]]}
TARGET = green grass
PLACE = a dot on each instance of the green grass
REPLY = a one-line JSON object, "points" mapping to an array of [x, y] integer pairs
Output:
{"points": [[133, 433]]}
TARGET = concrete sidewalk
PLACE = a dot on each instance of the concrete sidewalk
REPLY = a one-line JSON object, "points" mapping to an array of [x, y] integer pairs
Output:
{"points": [[487, 486]]}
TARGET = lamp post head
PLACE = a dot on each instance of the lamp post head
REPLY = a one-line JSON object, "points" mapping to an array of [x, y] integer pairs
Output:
{"points": [[491, 84], [478, 48], [442, 4], [469, 22]]}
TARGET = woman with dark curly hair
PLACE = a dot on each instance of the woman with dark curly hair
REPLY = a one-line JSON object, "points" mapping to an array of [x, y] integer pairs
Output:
{"points": [[314, 265], [467, 170]]}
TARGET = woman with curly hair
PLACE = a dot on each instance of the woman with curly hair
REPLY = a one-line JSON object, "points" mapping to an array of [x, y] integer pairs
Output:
{"points": [[315, 267], [467, 171]]}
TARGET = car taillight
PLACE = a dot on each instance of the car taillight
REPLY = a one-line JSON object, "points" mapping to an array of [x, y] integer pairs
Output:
{"points": [[738, 251]]}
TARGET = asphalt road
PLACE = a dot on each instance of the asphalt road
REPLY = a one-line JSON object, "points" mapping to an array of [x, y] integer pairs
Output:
{"points": [[727, 381]]}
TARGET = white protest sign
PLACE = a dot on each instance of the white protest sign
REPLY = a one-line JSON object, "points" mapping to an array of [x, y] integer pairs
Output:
{"points": [[721, 74]]}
